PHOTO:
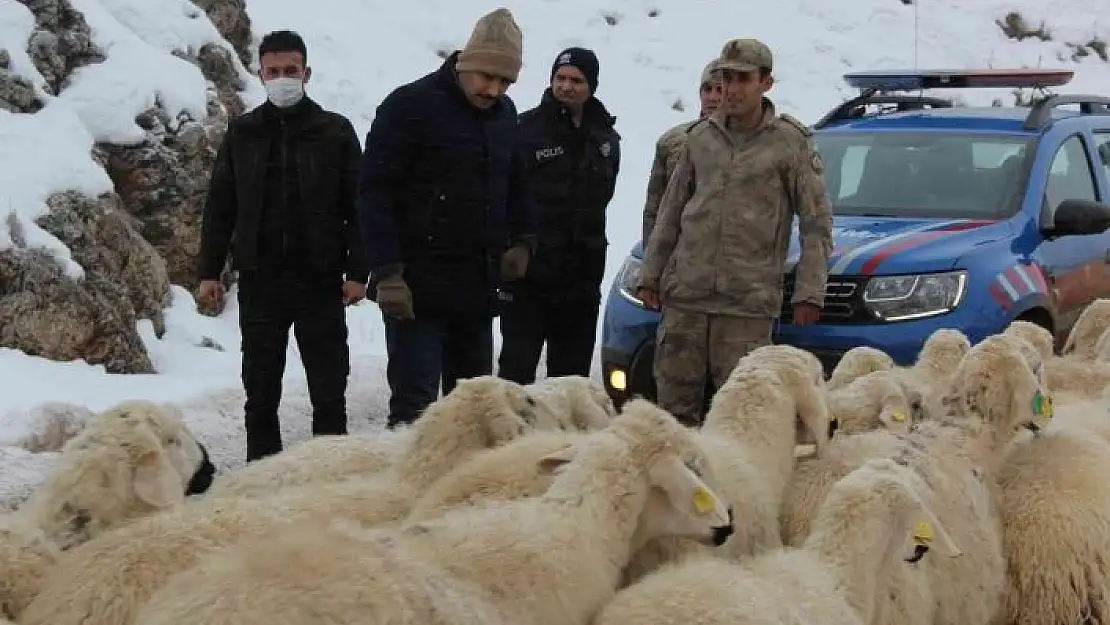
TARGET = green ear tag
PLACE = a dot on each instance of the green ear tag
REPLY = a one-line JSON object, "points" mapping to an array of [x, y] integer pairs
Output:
{"points": [[1042, 405]]}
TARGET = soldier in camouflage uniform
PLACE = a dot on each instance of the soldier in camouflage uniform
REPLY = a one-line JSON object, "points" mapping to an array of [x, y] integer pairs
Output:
{"points": [[668, 144], [716, 257]]}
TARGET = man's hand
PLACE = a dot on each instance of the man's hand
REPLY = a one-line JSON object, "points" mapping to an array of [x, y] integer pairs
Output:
{"points": [[210, 293], [650, 298], [353, 292], [806, 314]]}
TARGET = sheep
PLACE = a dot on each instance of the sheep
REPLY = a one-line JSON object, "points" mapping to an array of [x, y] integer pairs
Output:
{"points": [[874, 520], [748, 439], [553, 558], [858, 362], [937, 361], [994, 392], [1055, 506], [1071, 378], [881, 399], [47, 427], [135, 459], [105, 581], [565, 403], [1084, 334]]}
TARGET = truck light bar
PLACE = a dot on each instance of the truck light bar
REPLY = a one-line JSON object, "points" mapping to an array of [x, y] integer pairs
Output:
{"points": [[916, 80]]}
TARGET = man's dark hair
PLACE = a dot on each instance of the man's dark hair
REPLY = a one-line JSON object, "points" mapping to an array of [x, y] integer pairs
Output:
{"points": [[283, 41]]}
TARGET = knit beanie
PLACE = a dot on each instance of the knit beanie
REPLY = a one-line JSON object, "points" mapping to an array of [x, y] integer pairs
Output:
{"points": [[495, 47], [585, 60]]}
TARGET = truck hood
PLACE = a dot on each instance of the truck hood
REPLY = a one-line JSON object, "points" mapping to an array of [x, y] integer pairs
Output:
{"points": [[895, 245]]}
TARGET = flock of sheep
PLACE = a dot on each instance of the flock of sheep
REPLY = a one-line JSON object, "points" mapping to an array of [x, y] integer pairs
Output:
{"points": [[967, 489]]}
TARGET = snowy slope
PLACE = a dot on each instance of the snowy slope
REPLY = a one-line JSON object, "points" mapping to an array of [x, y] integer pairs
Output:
{"points": [[651, 55]]}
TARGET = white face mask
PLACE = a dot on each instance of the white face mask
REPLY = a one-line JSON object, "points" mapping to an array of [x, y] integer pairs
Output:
{"points": [[284, 92]]}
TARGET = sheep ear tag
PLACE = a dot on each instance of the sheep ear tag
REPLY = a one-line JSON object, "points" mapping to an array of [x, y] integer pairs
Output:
{"points": [[703, 501], [898, 416], [1042, 405], [922, 533]]}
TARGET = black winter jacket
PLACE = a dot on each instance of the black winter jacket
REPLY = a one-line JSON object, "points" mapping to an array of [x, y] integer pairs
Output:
{"points": [[572, 174], [442, 194], [323, 150]]}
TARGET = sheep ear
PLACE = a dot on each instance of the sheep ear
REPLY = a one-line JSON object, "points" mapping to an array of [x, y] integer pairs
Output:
{"points": [[685, 490], [155, 481], [928, 531], [551, 462]]}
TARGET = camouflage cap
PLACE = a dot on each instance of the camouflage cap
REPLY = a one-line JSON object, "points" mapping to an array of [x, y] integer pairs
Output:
{"points": [[745, 55], [707, 73]]}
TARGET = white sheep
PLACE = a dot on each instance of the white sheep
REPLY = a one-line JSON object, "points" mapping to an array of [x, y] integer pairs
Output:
{"points": [[881, 399], [874, 521], [553, 558], [932, 371], [564, 403], [105, 580], [1084, 334], [135, 459], [748, 439], [858, 362], [1055, 504], [993, 394], [1071, 378]]}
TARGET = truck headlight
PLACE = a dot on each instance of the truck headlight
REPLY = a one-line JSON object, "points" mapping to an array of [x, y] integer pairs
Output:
{"points": [[627, 279], [901, 298]]}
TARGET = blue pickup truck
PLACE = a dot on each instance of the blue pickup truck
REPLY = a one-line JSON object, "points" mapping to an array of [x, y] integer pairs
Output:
{"points": [[945, 216]]}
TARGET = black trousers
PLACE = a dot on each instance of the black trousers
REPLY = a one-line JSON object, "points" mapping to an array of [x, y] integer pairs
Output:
{"points": [[568, 326], [270, 301], [431, 351]]}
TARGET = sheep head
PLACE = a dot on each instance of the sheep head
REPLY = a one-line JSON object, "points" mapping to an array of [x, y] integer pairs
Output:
{"points": [[679, 502], [572, 403], [503, 409], [878, 399], [1001, 381], [1092, 322], [180, 449], [1037, 336], [857, 362], [800, 372], [943, 350], [882, 485]]}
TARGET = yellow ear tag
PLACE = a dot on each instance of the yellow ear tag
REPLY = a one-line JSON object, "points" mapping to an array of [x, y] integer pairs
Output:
{"points": [[1042, 405], [898, 417], [923, 533], [703, 501]]}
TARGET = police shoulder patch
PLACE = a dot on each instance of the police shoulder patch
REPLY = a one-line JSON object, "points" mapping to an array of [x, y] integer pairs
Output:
{"points": [[796, 123]]}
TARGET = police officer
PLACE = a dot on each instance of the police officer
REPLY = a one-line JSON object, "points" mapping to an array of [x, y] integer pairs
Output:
{"points": [[745, 171], [573, 154]]}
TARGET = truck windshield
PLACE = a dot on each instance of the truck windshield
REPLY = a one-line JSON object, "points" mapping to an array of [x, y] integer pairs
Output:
{"points": [[908, 174]]}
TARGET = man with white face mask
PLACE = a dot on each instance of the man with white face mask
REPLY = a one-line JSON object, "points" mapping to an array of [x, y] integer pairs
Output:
{"points": [[282, 201]]}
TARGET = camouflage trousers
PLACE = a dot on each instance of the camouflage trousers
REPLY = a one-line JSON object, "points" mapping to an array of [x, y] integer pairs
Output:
{"points": [[694, 349]]}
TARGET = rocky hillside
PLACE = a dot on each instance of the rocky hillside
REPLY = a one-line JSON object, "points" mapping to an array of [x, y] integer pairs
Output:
{"points": [[133, 243]]}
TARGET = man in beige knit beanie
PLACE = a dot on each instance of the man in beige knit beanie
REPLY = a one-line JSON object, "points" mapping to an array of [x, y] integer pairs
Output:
{"points": [[446, 215], [491, 59]]}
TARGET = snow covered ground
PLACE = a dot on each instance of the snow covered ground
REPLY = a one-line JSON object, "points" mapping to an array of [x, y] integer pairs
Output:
{"points": [[651, 54]]}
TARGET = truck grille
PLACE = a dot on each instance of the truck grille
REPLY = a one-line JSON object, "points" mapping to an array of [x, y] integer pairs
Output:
{"points": [[843, 300]]}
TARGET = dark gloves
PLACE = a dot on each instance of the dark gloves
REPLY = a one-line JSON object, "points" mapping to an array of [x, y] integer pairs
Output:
{"points": [[395, 298], [514, 262]]}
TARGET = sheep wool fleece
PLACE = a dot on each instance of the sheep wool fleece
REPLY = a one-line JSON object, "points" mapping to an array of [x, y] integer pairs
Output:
{"points": [[690, 345]]}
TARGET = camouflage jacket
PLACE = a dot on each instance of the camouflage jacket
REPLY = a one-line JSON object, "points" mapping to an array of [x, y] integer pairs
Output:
{"points": [[667, 148], [720, 241]]}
